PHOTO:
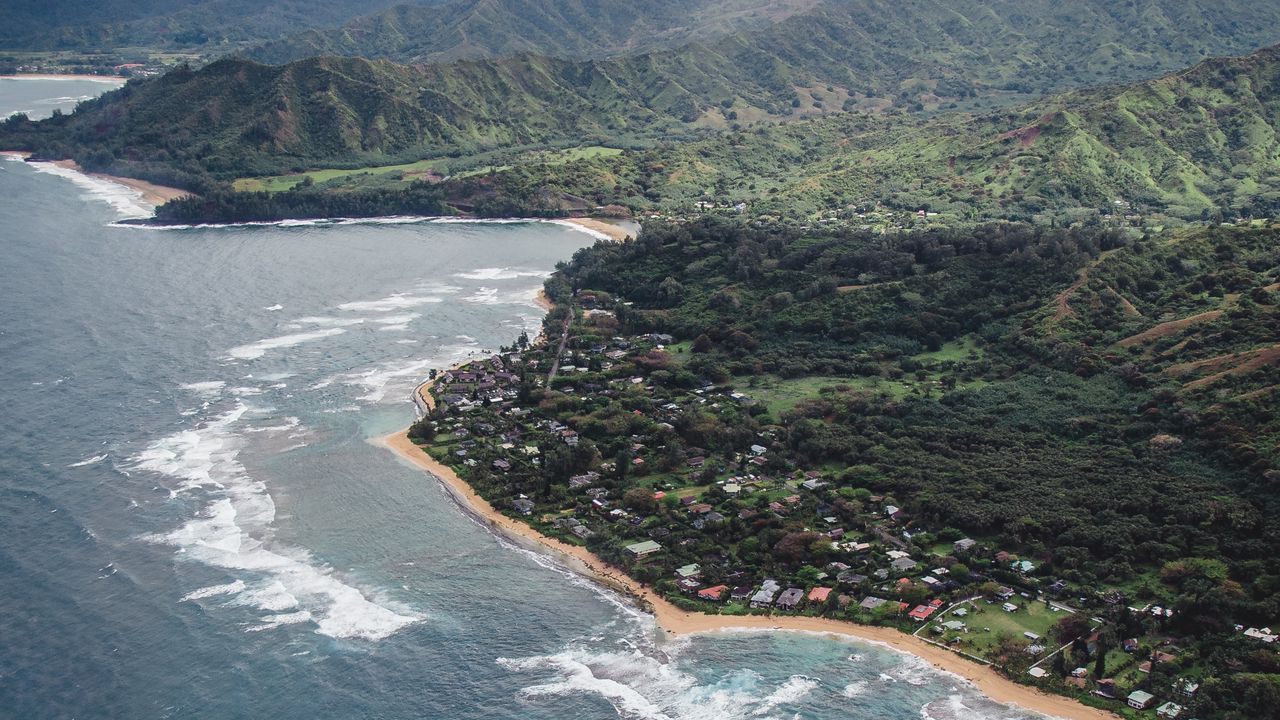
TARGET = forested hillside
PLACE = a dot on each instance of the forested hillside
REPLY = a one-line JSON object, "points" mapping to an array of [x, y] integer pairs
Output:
{"points": [[91, 25], [471, 29], [1197, 144], [918, 51]]}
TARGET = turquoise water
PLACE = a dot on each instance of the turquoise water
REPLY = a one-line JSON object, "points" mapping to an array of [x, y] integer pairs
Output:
{"points": [[193, 524]]}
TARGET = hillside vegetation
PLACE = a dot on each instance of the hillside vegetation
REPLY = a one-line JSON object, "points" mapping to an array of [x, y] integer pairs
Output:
{"points": [[1197, 144], [471, 29]]}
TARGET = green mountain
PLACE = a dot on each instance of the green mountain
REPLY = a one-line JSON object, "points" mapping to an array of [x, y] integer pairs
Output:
{"points": [[489, 28], [867, 47], [93, 25], [1193, 144]]}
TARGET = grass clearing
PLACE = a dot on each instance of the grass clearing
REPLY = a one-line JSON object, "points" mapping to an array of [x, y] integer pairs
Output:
{"points": [[419, 170], [987, 623]]}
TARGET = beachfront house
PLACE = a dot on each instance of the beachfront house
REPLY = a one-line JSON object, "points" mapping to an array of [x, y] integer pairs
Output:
{"points": [[765, 595], [643, 549], [1140, 699], [790, 598]]}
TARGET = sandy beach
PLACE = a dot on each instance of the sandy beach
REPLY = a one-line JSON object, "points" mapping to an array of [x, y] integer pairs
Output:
{"points": [[152, 193], [602, 227], [113, 79], [679, 622]]}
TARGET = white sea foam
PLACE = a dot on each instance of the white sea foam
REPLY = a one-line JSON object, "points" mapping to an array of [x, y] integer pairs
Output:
{"points": [[329, 321], [273, 308], [401, 327], [89, 461], [230, 588], [638, 684], [257, 349], [854, 689], [229, 534], [396, 301], [400, 319], [208, 387], [503, 273], [792, 691], [126, 201]]}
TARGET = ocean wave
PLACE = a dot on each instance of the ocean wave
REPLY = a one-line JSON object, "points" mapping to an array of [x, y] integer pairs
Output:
{"points": [[255, 350], [126, 201], [88, 461], [503, 273], [395, 301], [641, 684], [228, 534]]}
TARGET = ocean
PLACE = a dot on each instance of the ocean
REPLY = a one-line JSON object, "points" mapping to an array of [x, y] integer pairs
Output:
{"points": [[193, 523]]}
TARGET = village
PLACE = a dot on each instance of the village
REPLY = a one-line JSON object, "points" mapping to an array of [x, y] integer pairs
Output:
{"points": [[610, 442]]}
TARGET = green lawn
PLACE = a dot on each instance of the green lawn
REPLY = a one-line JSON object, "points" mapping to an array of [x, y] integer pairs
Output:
{"points": [[986, 623], [955, 351], [278, 183], [412, 171]]}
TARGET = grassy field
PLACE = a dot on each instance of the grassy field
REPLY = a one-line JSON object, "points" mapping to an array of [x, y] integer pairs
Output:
{"points": [[408, 172], [986, 623]]}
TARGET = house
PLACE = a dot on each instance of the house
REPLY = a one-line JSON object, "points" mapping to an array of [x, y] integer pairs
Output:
{"points": [[524, 506], [1022, 566], [641, 549], [741, 592], [688, 571], [1140, 700], [758, 449], [1169, 710], [871, 602], [713, 593], [696, 462], [1187, 687], [1004, 593], [790, 598], [849, 577], [921, 612], [903, 564], [963, 545], [1009, 607], [764, 597], [953, 625], [501, 465], [1130, 645], [819, 594]]}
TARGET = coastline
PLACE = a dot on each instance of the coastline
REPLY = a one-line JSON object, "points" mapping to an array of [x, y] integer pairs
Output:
{"points": [[152, 193], [677, 622], [112, 79], [596, 226]]}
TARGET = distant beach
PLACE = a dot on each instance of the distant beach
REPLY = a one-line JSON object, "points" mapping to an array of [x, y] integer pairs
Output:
{"points": [[152, 193], [113, 79], [602, 227]]}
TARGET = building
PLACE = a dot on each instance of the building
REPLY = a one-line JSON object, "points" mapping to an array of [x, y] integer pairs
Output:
{"points": [[524, 506], [819, 594], [1169, 710], [641, 549], [688, 571], [713, 593], [1140, 700], [790, 598], [764, 597], [963, 545]]}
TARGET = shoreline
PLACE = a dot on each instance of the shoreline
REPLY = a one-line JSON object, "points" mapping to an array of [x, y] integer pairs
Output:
{"points": [[676, 622], [112, 79], [153, 194], [597, 226]]}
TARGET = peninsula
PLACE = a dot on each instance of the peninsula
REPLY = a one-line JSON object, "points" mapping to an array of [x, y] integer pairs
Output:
{"points": [[689, 432]]}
